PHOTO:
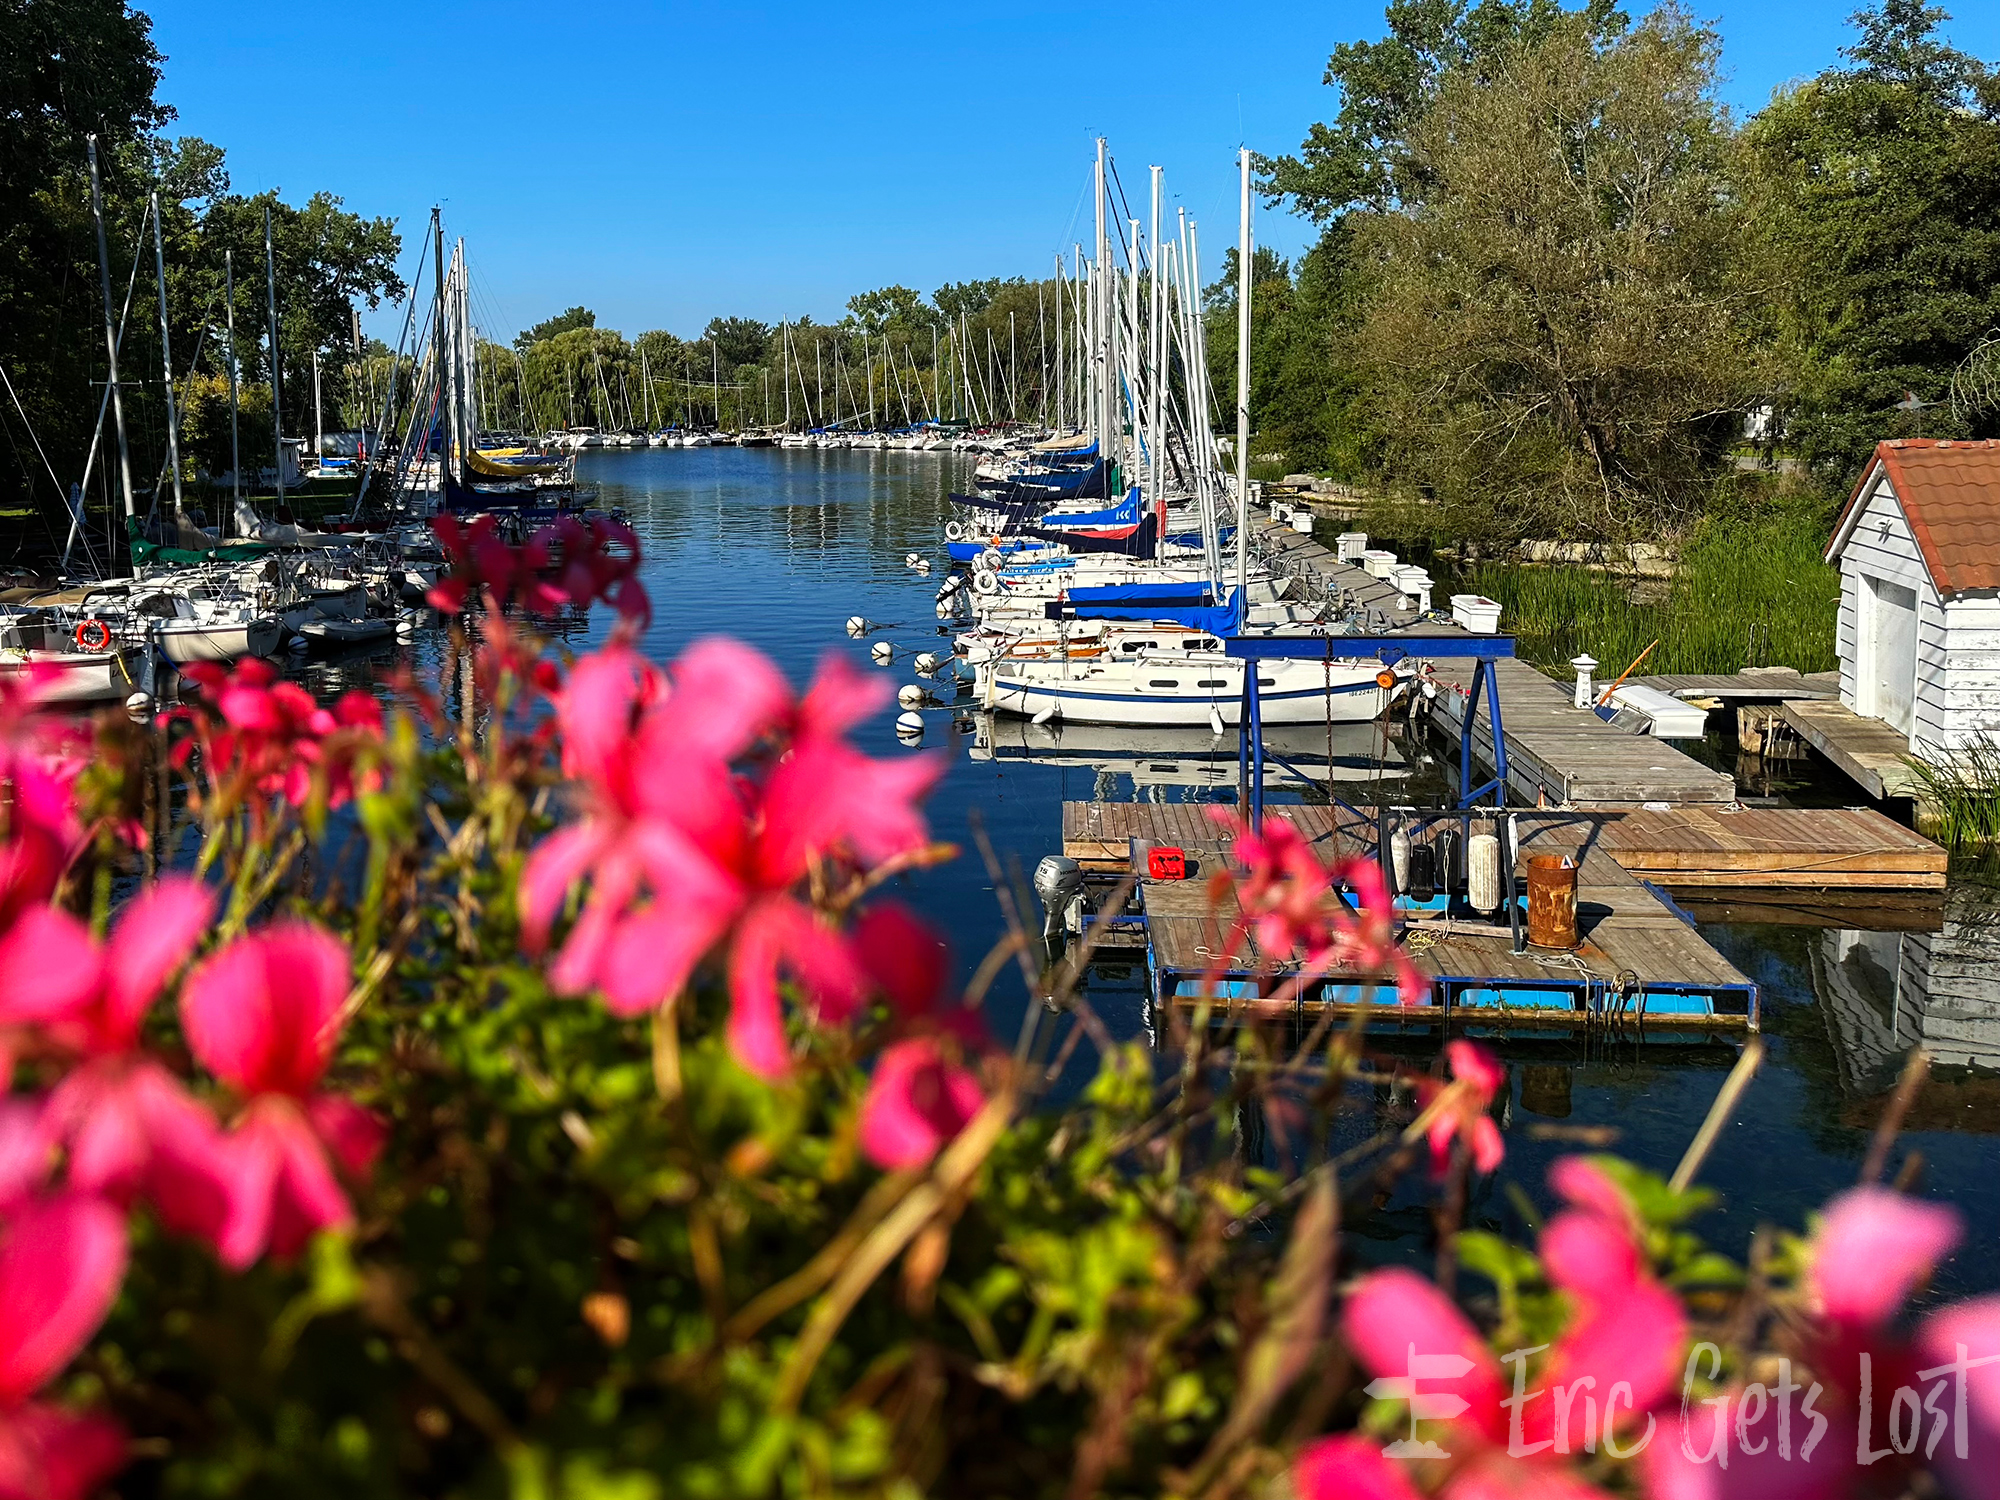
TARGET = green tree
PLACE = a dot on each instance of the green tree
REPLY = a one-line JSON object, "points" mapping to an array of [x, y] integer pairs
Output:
{"points": [[1562, 330], [1879, 188], [562, 322]]}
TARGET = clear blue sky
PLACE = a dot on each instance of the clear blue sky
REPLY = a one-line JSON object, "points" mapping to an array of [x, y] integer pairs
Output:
{"points": [[663, 163]]}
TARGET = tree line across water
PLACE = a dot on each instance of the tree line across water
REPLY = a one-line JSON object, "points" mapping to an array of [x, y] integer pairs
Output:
{"points": [[1559, 289]]}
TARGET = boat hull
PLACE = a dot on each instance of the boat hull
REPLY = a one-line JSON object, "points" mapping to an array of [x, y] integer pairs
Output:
{"points": [[185, 641], [1168, 694]]}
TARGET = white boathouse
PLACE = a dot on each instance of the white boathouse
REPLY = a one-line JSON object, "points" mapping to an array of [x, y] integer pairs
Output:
{"points": [[1918, 547]]}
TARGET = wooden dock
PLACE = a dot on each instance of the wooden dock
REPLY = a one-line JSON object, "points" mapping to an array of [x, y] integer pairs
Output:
{"points": [[1795, 849], [1559, 754], [1875, 756], [1639, 962]]}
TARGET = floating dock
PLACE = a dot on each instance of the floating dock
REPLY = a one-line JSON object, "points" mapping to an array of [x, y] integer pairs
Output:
{"points": [[1874, 756], [1640, 965]]}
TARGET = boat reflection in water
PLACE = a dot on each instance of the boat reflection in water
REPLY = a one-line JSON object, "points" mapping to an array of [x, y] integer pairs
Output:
{"points": [[1181, 764], [1883, 993]]}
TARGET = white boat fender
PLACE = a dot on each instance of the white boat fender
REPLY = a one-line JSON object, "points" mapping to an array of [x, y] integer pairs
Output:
{"points": [[926, 664], [954, 531], [986, 581], [1399, 858], [944, 611], [857, 626], [1054, 710], [1482, 872], [1215, 720], [910, 695], [882, 652], [299, 643], [139, 704], [910, 726], [993, 559]]}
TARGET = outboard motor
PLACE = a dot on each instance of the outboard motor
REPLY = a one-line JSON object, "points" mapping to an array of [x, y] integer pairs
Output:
{"points": [[1059, 882]]}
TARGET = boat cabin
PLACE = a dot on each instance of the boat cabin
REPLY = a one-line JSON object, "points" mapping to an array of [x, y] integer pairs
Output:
{"points": [[1918, 548]]}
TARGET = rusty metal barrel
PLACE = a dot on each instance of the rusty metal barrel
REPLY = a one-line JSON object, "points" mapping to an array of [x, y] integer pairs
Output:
{"points": [[1552, 901]]}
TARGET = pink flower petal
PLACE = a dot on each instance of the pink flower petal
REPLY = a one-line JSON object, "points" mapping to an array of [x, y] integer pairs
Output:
{"points": [[726, 696], [917, 1101], [841, 696], [556, 864], [905, 957], [1395, 1311], [1476, 1065], [154, 936], [1349, 1467], [354, 1135], [61, 1263], [49, 967], [1872, 1248], [47, 1453], [256, 1014]]}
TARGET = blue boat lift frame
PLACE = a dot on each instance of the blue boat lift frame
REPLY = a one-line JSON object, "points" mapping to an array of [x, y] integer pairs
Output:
{"points": [[1484, 650]]}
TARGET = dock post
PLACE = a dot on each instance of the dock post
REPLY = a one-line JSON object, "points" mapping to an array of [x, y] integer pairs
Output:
{"points": [[1243, 739], [1256, 692], [1485, 676]]}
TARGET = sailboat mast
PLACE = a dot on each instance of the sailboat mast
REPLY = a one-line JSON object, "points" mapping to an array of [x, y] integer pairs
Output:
{"points": [[110, 332], [1156, 385], [1100, 329], [1244, 252], [785, 368], [438, 355], [235, 458], [167, 361]]}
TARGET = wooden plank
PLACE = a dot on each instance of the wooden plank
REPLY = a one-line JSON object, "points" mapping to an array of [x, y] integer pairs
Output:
{"points": [[1867, 750]]}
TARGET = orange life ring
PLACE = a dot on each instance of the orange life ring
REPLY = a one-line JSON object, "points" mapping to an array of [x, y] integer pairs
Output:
{"points": [[93, 635]]}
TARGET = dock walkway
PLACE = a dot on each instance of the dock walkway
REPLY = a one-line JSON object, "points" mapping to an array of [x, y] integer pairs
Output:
{"points": [[1751, 685], [1686, 848]]}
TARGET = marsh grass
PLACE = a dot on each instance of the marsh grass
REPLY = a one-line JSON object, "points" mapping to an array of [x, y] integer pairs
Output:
{"points": [[1959, 798], [1745, 593]]}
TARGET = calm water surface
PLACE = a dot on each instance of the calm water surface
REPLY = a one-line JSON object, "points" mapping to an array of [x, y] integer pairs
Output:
{"points": [[779, 548]]}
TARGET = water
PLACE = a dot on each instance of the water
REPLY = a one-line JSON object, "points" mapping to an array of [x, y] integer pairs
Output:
{"points": [[779, 547]]}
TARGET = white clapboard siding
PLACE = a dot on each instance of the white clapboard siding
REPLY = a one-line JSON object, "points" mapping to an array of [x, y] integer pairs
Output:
{"points": [[1957, 698]]}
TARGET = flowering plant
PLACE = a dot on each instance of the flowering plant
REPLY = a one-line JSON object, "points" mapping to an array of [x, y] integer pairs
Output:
{"points": [[540, 1092]]}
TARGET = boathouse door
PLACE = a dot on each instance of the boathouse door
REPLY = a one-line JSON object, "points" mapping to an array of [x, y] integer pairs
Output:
{"points": [[1891, 653]]}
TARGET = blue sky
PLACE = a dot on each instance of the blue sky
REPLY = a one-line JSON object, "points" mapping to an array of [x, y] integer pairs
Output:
{"points": [[662, 163]]}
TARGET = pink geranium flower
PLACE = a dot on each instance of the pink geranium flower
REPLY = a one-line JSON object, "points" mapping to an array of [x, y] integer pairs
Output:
{"points": [[1626, 1330], [124, 1125], [918, 1099], [569, 561], [61, 1263], [1872, 1249], [689, 838], [1290, 902], [263, 1015], [1459, 1110], [275, 735]]}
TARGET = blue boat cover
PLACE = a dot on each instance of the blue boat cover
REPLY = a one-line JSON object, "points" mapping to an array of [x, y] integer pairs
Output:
{"points": [[1216, 619]]}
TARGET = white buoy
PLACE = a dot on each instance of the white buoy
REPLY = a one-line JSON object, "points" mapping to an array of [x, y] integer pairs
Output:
{"points": [[882, 652], [1215, 720], [910, 559], [299, 643], [910, 726], [910, 695], [139, 702], [923, 565], [926, 664], [1047, 714], [856, 626], [944, 611]]}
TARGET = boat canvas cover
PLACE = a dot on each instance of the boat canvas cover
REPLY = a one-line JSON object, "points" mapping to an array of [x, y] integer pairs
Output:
{"points": [[1140, 540], [1193, 593], [1216, 619], [1073, 446]]}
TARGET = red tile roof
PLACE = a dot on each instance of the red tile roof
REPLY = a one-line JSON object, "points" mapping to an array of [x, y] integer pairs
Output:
{"points": [[1950, 493]]}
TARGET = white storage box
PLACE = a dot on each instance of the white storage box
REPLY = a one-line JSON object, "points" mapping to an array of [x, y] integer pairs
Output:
{"points": [[1672, 719], [1302, 522], [1411, 579], [1349, 546], [1476, 613], [1379, 564]]}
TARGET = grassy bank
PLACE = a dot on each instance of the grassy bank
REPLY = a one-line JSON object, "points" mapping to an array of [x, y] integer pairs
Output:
{"points": [[1746, 593]]}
